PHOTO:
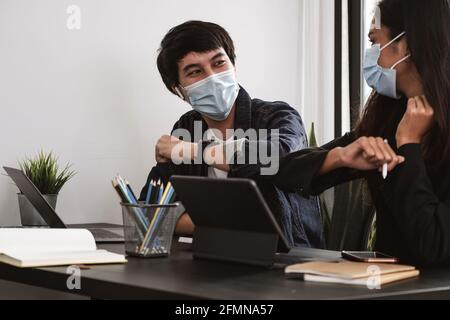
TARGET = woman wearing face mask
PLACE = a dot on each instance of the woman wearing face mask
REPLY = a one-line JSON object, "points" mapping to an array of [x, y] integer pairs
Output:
{"points": [[405, 129]]}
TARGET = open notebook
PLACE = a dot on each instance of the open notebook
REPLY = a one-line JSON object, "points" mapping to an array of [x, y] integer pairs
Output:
{"points": [[52, 247]]}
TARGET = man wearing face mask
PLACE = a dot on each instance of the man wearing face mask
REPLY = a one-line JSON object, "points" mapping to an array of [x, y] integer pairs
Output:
{"points": [[197, 63]]}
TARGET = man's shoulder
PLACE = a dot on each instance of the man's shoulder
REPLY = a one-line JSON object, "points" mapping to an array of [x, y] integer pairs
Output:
{"points": [[262, 106], [275, 113]]}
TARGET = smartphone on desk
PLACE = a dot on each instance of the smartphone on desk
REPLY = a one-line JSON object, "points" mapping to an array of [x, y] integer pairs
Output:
{"points": [[368, 257]]}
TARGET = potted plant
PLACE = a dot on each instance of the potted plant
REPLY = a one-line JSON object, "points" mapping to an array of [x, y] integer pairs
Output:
{"points": [[43, 171]]}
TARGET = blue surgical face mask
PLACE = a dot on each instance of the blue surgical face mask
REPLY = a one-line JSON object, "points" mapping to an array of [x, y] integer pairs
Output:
{"points": [[382, 80], [214, 96]]}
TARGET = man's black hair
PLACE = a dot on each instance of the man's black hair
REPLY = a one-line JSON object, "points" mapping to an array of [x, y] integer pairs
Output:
{"points": [[191, 36]]}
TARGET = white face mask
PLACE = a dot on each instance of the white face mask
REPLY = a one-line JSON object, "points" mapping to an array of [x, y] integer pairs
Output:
{"points": [[214, 96], [382, 80]]}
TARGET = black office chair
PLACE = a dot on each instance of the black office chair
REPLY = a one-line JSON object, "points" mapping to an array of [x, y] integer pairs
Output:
{"points": [[351, 225]]}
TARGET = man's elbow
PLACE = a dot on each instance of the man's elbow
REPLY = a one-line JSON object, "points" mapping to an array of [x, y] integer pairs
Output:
{"points": [[185, 226]]}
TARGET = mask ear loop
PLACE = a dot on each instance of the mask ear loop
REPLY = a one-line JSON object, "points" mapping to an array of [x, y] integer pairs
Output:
{"points": [[393, 40], [402, 60], [178, 92]]}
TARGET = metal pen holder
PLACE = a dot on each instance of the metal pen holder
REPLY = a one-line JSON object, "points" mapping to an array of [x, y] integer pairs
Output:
{"points": [[149, 229]]}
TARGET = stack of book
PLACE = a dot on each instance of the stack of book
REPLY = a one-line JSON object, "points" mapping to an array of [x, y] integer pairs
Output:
{"points": [[352, 273]]}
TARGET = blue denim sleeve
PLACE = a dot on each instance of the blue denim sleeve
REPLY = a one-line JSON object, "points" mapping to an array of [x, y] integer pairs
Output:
{"points": [[285, 134]]}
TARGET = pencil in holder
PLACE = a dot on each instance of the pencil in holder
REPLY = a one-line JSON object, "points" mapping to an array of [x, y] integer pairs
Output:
{"points": [[149, 229]]}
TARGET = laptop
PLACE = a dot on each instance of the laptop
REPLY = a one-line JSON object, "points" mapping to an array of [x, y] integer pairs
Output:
{"points": [[234, 223], [101, 235]]}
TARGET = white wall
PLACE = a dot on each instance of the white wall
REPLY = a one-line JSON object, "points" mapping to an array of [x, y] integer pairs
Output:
{"points": [[315, 94], [94, 95], [369, 8]]}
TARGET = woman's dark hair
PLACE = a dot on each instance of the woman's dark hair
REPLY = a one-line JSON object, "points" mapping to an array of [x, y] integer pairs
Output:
{"points": [[191, 36], [427, 27]]}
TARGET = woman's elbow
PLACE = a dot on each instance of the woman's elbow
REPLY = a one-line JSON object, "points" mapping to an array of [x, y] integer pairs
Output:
{"points": [[431, 248]]}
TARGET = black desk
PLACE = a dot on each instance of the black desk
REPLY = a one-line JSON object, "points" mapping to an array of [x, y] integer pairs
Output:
{"points": [[182, 277]]}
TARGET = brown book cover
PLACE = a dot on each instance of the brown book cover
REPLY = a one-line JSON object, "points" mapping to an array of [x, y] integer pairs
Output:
{"points": [[352, 273]]}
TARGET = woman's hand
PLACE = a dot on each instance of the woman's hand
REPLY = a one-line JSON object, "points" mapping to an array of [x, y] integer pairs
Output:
{"points": [[369, 153], [366, 154], [416, 122]]}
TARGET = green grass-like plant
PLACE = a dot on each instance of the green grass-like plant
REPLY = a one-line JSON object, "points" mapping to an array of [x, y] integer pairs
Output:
{"points": [[44, 172], [312, 137]]}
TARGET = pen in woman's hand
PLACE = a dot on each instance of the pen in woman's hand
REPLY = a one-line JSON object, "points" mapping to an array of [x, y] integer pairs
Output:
{"points": [[384, 170]]}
